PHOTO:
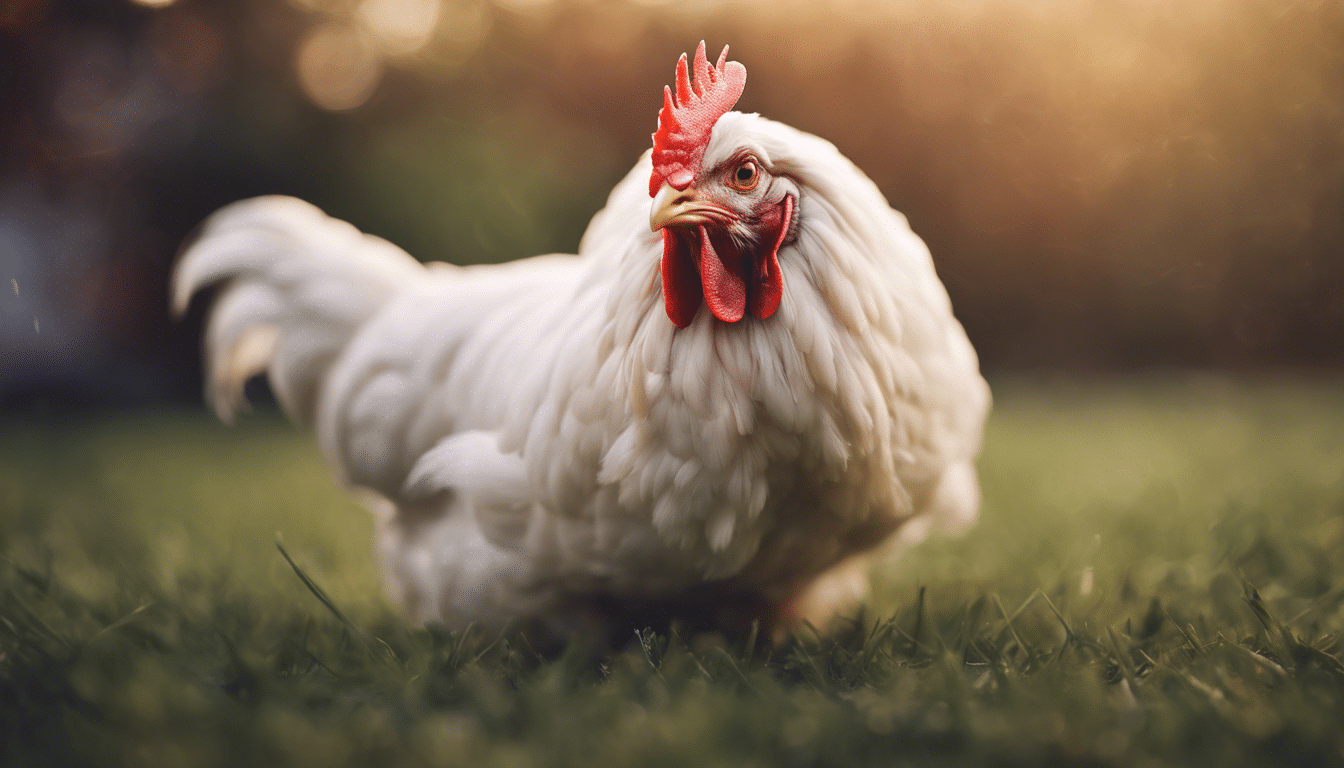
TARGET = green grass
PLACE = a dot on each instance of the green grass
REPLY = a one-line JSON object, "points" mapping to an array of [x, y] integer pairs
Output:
{"points": [[1157, 579]]}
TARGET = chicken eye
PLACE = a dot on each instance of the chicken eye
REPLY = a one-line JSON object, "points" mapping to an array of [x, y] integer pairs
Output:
{"points": [[745, 176]]}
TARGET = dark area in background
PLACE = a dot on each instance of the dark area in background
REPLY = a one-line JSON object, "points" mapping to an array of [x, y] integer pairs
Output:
{"points": [[1105, 185]]}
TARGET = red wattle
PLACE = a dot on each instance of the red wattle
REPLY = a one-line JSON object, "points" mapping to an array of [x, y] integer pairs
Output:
{"points": [[769, 288], [725, 286], [681, 285]]}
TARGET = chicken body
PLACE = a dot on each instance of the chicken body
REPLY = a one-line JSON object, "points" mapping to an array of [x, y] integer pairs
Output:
{"points": [[539, 437]]}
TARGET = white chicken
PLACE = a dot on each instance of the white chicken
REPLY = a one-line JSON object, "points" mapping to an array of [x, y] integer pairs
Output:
{"points": [[576, 440]]}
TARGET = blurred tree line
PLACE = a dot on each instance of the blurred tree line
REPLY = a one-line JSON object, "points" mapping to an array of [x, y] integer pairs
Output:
{"points": [[1105, 184]]}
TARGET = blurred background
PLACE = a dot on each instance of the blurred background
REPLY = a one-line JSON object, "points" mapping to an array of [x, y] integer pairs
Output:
{"points": [[1106, 185]]}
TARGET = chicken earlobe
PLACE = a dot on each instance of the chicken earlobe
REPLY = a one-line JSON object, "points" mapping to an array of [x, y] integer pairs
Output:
{"points": [[731, 279]]}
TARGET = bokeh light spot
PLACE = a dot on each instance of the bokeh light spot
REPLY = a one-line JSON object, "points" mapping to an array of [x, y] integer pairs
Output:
{"points": [[463, 26], [338, 66], [401, 26], [524, 6]]}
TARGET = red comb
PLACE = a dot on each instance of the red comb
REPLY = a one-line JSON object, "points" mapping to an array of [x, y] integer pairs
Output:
{"points": [[685, 122]]}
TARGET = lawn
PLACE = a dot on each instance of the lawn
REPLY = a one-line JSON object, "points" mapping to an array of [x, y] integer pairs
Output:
{"points": [[1157, 579]]}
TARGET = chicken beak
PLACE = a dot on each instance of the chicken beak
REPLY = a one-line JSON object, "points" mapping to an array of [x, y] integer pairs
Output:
{"points": [[673, 205]]}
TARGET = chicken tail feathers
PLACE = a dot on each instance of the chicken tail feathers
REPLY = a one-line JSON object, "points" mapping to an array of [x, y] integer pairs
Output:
{"points": [[297, 285]]}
